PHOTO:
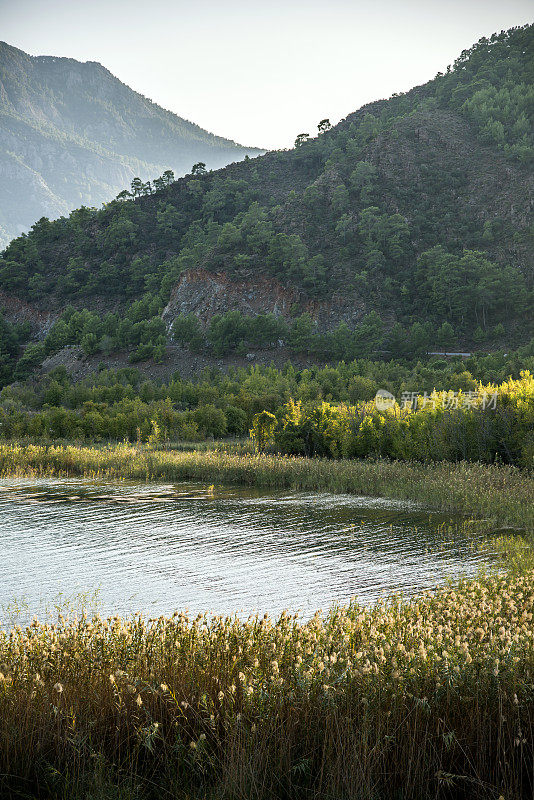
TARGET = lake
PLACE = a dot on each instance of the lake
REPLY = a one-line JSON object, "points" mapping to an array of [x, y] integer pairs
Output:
{"points": [[156, 548]]}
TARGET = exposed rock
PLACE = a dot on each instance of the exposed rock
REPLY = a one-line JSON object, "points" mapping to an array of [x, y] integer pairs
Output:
{"points": [[204, 294], [15, 311], [177, 360]]}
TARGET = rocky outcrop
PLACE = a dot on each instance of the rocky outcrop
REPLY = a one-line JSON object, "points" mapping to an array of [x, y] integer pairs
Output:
{"points": [[17, 311], [204, 294]]}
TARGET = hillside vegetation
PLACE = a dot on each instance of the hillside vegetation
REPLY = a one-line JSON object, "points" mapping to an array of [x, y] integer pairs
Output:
{"points": [[410, 222], [442, 412], [73, 134]]}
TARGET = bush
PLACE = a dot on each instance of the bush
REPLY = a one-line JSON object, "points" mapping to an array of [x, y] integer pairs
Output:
{"points": [[211, 421], [493, 423]]}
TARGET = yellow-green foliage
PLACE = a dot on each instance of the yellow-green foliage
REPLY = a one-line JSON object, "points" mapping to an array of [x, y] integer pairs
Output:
{"points": [[398, 700], [262, 431], [495, 422]]}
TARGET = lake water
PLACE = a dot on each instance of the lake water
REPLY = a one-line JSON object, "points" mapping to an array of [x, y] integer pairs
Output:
{"points": [[157, 548]]}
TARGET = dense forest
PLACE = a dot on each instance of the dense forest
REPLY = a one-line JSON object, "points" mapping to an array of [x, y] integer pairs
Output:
{"points": [[417, 209]]}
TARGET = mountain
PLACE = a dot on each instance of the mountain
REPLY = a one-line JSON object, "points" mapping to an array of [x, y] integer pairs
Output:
{"points": [[72, 134], [407, 227]]}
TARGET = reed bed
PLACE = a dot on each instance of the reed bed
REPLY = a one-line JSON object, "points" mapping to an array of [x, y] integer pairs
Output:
{"points": [[411, 699], [415, 698], [504, 495]]}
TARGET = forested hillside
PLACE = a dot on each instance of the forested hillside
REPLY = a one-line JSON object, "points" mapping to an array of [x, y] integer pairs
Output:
{"points": [[405, 228], [71, 134]]}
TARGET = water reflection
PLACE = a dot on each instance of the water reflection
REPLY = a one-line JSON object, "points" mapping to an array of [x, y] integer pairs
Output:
{"points": [[157, 548]]}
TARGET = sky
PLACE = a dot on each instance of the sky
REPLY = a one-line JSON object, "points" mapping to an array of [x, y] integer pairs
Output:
{"points": [[261, 72]]}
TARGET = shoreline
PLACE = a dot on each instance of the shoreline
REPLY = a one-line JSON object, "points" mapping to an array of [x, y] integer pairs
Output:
{"points": [[502, 495]]}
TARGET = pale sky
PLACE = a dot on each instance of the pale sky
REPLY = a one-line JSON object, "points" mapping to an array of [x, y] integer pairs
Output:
{"points": [[260, 72]]}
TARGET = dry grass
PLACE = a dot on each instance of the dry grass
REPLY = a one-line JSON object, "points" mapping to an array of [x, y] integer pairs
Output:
{"points": [[428, 697]]}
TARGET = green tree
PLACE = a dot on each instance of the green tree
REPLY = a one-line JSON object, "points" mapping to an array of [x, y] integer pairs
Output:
{"points": [[186, 329], [90, 344], [445, 336], [301, 139], [363, 180], [301, 332], [262, 431], [227, 331], [155, 435], [136, 187], [211, 421]]}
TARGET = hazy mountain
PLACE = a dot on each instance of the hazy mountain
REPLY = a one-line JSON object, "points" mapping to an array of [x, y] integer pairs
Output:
{"points": [[72, 134]]}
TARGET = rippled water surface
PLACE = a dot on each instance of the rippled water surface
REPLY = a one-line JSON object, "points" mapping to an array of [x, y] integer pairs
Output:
{"points": [[156, 548]]}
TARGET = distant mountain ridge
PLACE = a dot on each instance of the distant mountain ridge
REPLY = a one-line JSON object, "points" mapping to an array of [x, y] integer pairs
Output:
{"points": [[73, 134]]}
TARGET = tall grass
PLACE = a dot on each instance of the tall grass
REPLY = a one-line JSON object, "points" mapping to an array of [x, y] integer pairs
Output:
{"points": [[409, 700], [502, 494], [426, 697]]}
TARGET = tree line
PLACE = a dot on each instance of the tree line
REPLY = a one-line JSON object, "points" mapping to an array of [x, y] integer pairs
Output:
{"points": [[494, 423], [122, 404]]}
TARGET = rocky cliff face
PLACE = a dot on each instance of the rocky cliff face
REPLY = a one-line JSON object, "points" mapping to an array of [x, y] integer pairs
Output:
{"points": [[204, 294], [17, 311]]}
